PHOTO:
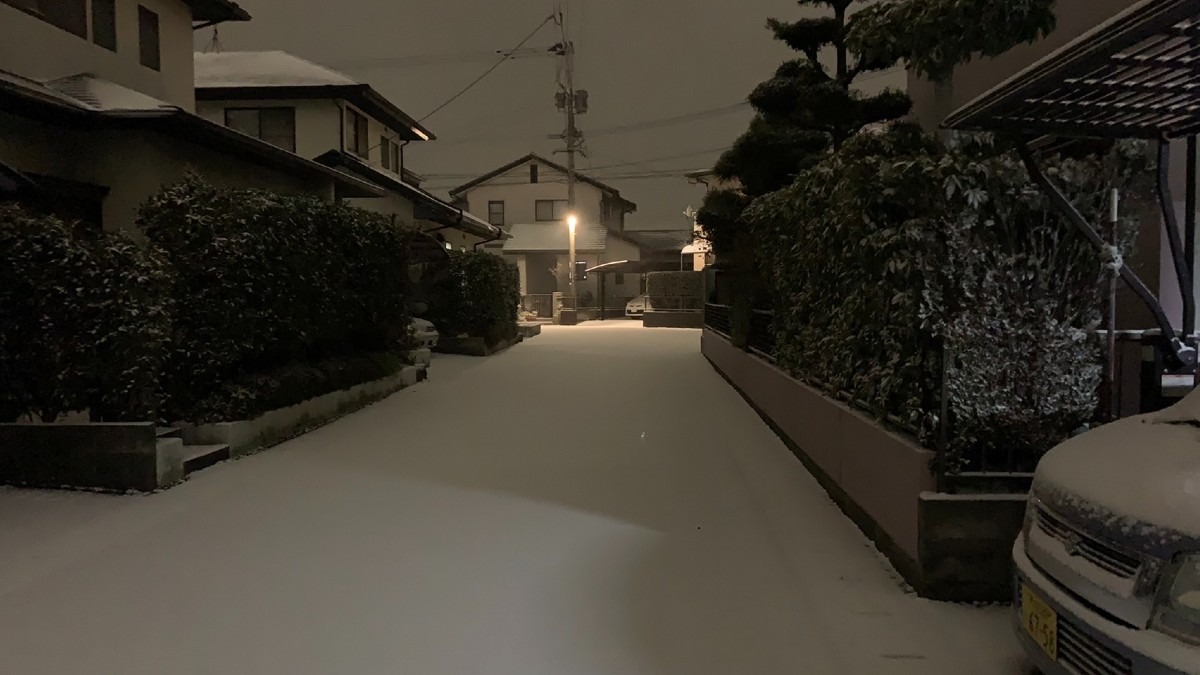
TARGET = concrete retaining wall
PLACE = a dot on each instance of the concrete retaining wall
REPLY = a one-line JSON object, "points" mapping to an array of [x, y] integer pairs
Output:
{"points": [[279, 425], [652, 319], [946, 546], [102, 456]]}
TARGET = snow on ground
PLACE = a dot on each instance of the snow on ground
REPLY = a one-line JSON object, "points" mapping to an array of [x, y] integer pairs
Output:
{"points": [[594, 501]]}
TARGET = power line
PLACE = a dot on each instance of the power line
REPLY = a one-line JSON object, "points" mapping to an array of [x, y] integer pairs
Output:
{"points": [[507, 55], [653, 160], [670, 121]]}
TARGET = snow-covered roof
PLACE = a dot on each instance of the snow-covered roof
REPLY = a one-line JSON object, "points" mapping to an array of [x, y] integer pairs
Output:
{"points": [[264, 69], [661, 240], [554, 237], [105, 96]]}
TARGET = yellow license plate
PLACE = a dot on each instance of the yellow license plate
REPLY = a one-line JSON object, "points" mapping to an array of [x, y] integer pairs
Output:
{"points": [[1040, 621]]}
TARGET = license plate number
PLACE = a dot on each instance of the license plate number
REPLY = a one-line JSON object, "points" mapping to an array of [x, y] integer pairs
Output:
{"points": [[1040, 621]]}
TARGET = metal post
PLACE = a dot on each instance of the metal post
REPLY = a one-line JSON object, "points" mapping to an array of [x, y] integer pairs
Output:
{"points": [[1109, 400], [1171, 224], [571, 136], [602, 308], [1189, 234]]}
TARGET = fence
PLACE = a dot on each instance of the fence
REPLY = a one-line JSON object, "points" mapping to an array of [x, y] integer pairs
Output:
{"points": [[541, 306]]}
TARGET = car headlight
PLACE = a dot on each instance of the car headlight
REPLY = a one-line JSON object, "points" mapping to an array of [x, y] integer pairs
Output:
{"points": [[1030, 514], [1177, 608]]}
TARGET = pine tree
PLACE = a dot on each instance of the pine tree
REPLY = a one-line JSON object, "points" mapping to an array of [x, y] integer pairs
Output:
{"points": [[809, 107]]}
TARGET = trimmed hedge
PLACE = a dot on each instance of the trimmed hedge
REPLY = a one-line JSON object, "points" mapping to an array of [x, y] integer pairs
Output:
{"points": [[478, 295], [82, 321], [677, 290], [249, 396], [896, 251], [264, 282]]}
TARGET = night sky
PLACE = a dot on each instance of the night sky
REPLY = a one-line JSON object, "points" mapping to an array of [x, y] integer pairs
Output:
{"points": [[641, 60]]}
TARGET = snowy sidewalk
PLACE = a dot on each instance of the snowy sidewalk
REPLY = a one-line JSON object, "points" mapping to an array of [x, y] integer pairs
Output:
{"points": [[595, 501]]}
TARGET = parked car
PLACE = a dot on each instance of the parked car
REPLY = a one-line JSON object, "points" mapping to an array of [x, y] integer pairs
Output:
{"points": [[636, 307], [424, 333], [1108, 562]]}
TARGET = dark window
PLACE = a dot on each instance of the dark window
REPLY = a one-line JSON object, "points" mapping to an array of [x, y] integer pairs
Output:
{"points": [[546, 210], [69, 15], [356, 134], [276, 126], [533, 170], [396, 157], [496, 213], [385, 151], [620, 278], [104, 23], [148, 38]]}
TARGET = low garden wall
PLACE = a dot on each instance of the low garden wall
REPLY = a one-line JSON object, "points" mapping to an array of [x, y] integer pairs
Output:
{"points": [[653, 319], [101, 456], [276, 426], [949, 547]]}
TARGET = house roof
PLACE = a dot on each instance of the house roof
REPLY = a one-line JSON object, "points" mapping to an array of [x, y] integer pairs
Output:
{"points": [[1134, 75], [663, 241], [428, 206], [534, 157], [89, 101], [278, 75], [217, 11], [554, 237]]}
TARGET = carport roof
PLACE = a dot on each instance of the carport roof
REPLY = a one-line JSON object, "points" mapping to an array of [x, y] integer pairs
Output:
{"points": [[635, 267], [1136, 75]]}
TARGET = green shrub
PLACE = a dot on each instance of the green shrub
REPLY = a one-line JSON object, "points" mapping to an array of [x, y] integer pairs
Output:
{"points": [[896, 250], [262, 282], [82, 321], [478, 294], [248, 396]]}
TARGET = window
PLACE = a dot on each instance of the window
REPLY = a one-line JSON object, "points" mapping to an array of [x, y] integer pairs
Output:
{"points": [[385, 152], [276, 126], [148, 37], [396, 165], [496, 213], [104, 23], [533, 173], [69, 15], [356, 133], [620, 278], [550, 209]]}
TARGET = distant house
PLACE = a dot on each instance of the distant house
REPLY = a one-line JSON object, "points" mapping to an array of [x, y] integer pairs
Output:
{"points": [[528, 199], [97, 111], [325, 116], [666, 246]]}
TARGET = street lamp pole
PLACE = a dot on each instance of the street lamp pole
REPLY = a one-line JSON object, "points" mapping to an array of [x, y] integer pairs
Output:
{"points": [[572, 221]]}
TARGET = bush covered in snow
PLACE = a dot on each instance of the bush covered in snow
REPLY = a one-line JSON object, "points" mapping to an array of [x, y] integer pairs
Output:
{"points": [[896, 251], [263, 282], [675, 290], [82, 321], [478, 295]]}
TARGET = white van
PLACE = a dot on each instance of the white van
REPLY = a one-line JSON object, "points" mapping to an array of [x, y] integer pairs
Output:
{"points": [[1108, 563]]}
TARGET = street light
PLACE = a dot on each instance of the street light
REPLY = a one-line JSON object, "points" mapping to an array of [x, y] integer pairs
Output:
{"points": [[572, 222]]}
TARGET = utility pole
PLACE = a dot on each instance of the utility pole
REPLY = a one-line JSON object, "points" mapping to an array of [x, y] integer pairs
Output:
{"points": [[571, 103]]}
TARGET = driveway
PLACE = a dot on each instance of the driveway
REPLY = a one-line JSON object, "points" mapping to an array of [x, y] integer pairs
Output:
{"points": [[595, 501]]}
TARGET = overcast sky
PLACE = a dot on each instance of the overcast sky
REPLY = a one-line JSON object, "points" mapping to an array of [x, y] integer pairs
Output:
{"points": [[641, 60]]}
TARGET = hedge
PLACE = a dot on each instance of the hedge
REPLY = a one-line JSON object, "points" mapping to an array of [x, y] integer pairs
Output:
{"points": [[82, 321], [676, 290], [478, 295], [896, 253], [263, 282]]}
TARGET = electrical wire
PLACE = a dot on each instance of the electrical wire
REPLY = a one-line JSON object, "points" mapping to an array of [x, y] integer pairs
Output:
{"points": [[669, 121], [507, 55]]}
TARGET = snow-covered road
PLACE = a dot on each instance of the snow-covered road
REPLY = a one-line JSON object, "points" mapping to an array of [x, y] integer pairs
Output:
{"points": [[596, 501]]}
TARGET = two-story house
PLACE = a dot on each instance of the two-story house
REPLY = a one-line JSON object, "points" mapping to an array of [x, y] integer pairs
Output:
{"points": [[328, 117], [97, 110], [528, 198]]}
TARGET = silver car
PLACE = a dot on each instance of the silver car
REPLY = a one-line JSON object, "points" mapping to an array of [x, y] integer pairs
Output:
{"points": [[636, 307], [1108, 563]]}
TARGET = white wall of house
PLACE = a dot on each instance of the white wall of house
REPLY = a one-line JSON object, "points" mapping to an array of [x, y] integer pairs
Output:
{"points": [[102, 158], [318, 122], [520, 197], [38, 50]]}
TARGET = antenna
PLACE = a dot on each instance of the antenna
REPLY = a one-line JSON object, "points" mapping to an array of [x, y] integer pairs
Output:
{"points": [[214, 45]]}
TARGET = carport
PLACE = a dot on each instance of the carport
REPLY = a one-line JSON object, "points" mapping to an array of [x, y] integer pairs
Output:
{"points": [[638, 267], [1136, 76]]}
